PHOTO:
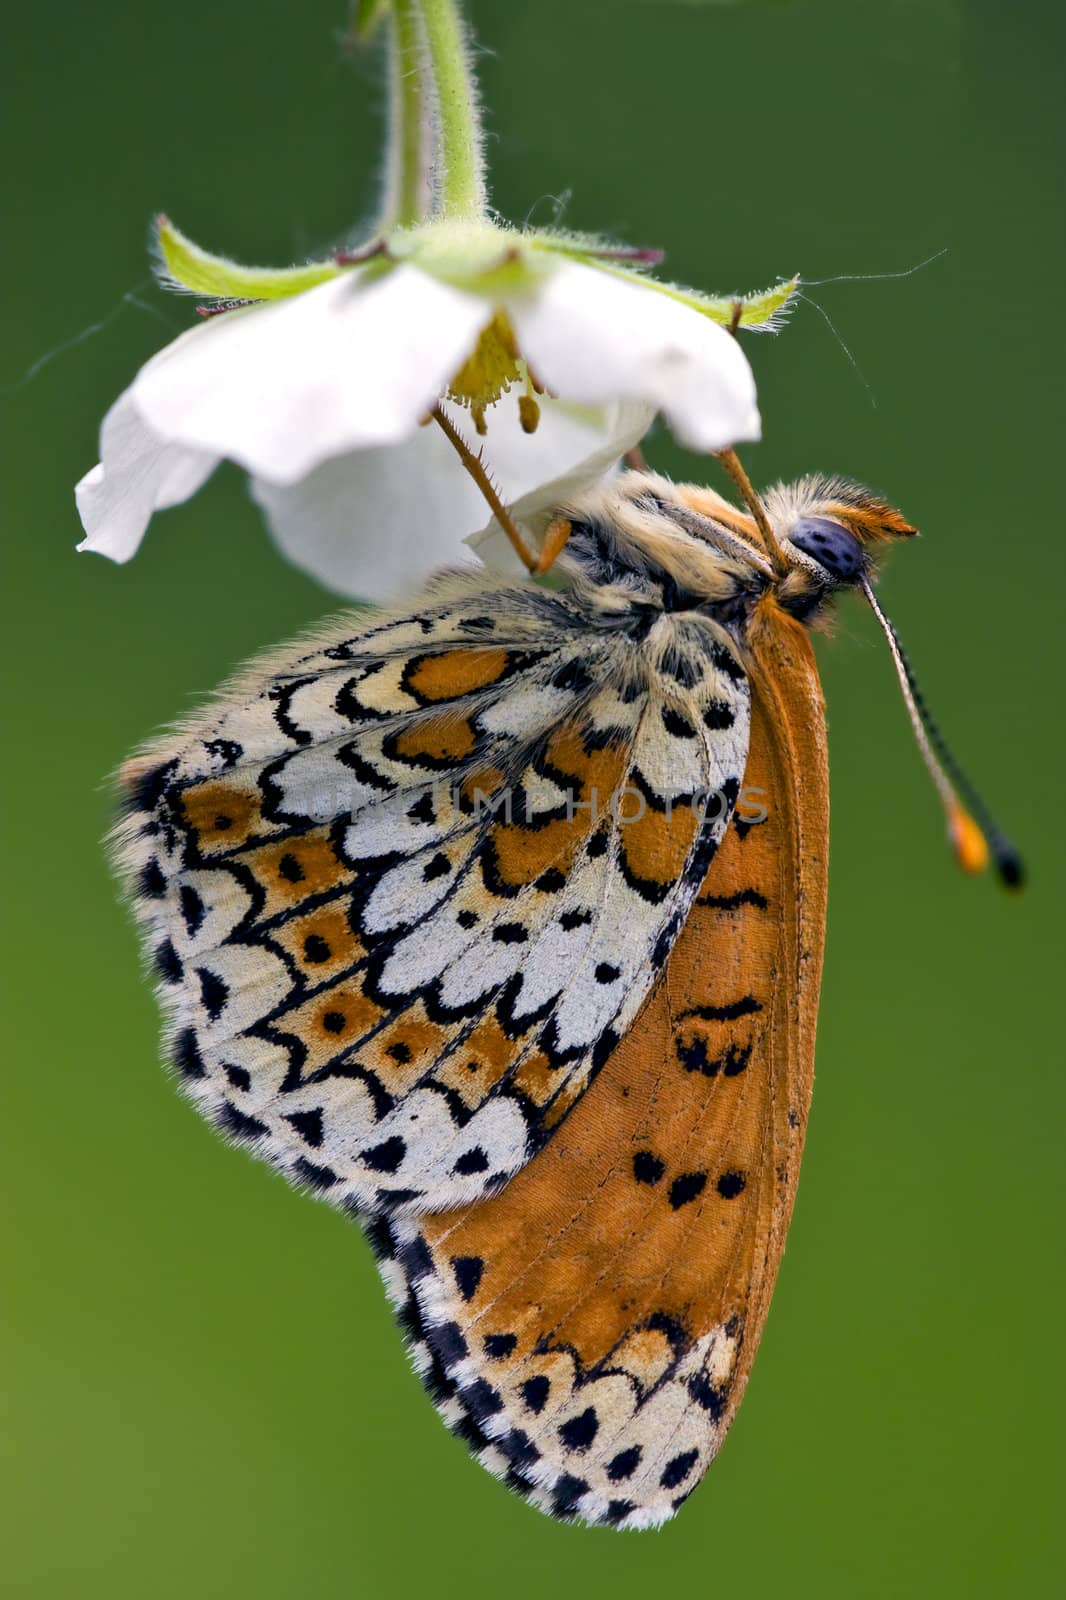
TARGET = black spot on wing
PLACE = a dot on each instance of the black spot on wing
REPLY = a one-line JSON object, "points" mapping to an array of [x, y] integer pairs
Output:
{"points": [[308, 1124], [468, 1271], [192, 909], [624, 1464], [678, 726], [471, 1161], [568, 1491], [290, 869], [677, 1470], [733, 902], [152, 883], [385, 1157], [727, 663], [711, 1397], [316, 950], [579, 1432], [535, 1392], [694, 1057], [238, 1125], [572, 675], [686, 1188], [214, 992], [187, 1055], [718, 715], [744, 1007], [423, 810], [167, 962], [315, 1177], [146, 791]]}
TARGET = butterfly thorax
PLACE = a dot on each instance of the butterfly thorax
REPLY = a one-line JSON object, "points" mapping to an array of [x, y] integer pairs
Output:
{"points": [[644, 550]]}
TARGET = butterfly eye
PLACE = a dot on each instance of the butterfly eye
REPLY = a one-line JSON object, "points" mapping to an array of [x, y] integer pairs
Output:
{"points": [[832, 546]]}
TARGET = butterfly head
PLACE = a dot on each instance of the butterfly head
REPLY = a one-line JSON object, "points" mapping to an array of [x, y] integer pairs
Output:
{"points": [[830, 533]]}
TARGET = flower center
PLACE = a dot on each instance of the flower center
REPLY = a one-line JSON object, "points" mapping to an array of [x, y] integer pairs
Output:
{"points": [[492, 367]]}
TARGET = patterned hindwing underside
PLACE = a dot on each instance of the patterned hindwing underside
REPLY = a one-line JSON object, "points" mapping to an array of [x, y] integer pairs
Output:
{"points": [[405, 889], [589, 1331]]}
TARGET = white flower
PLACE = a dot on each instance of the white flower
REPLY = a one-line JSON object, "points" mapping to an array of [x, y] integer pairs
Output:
{"points": [[322, 397], [532, 512], [419, 496]]}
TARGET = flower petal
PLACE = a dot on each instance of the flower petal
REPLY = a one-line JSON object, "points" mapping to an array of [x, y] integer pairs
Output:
{"points": [[138, 473], [373, 523], [282, 387], [624, 425], [593, 337]]}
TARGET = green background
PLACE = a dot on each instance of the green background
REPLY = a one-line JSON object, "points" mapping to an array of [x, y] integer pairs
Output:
{"points": [[204, 1393]]}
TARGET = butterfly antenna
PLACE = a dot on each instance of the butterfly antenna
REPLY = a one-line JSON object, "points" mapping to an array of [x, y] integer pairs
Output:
{"points": [[973, 833]]}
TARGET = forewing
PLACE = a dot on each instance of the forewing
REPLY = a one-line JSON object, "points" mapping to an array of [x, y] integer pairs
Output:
{"points": [[406, 889], [590, 1330]]}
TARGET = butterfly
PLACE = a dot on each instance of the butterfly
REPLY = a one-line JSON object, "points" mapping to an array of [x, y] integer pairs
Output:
{"points": [[496, 920]]}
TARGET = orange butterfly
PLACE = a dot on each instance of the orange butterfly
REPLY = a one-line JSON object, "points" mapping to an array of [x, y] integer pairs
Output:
{"points": [[497, 920]]}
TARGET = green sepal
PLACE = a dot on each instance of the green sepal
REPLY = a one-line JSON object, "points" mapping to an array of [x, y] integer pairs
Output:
{"points": [[184, 265], [761, 311], [480, 257]]}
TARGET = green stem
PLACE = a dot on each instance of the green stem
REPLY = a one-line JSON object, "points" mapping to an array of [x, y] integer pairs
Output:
{"points": [[407, 183], [461, 176]]}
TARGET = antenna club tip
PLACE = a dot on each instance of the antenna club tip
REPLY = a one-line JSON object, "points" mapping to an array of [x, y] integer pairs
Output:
{"points": [[967, 841], [1010, 866]]}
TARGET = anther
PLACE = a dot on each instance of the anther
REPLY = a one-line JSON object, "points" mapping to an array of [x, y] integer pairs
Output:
{"points": [[528, 413]]}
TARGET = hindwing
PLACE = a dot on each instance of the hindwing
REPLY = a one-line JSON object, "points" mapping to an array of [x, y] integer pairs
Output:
{"points": [[406, 887]]}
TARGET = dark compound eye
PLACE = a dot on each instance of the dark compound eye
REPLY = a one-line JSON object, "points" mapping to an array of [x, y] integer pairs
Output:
{"points": [[832, 546]]}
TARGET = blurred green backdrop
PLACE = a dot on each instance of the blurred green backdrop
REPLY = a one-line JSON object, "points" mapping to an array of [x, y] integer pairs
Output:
{"points": [[204, 1391]]}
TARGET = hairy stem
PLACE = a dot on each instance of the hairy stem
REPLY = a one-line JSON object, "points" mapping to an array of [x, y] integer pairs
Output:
{"points": [[461, 168], [408, 170]]}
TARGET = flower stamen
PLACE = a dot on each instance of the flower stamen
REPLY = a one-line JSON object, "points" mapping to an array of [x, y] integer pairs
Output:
{"points": [[489, 371], [528, 409]]}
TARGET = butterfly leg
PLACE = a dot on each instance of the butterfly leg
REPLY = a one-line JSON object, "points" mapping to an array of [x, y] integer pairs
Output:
{"points": [[554, 539], [731, 462], [476, 468]]}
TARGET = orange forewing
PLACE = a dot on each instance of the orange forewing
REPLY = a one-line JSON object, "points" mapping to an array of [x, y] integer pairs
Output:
{"points": [[659, 1210]]}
